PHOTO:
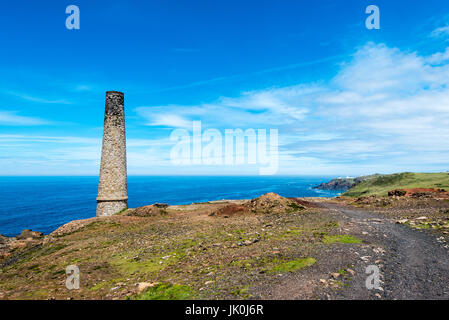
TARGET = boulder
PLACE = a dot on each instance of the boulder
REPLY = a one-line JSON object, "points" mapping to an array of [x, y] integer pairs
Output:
{"points": [[142, 286], [161, 205], [29, 234], [397, 193]]}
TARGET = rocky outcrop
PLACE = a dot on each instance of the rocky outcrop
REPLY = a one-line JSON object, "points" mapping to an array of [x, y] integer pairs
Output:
{"points": [[344, 184], [267, 203], [272, 202], [4, 240], [27, 239], [148, 211], [340, 184], [396, 193], [29, 234]]}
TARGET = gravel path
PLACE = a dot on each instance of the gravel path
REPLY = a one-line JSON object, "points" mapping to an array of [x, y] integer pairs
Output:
{"points": [[414, 264]]}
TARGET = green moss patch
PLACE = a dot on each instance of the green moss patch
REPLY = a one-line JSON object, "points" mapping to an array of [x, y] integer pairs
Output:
{"points": [[344, 238], [292, 266]]}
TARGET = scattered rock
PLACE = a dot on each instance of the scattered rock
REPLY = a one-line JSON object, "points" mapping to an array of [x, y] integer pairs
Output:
{"points": [[161, 205], [397, 193], [365, 258], [4, 239], [350, 271], [142, 286]]}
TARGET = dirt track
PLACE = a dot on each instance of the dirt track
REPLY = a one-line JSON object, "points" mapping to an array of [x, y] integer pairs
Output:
{"points": [[415, 264]]}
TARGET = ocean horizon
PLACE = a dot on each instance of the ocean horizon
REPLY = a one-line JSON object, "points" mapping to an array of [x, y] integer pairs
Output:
{"points": [[44, 203]]}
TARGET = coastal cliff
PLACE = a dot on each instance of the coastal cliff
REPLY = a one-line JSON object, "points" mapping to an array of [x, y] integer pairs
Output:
{"points": [[344, 184]]}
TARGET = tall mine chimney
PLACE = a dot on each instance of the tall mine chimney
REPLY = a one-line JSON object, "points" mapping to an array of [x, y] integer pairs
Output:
{"points": [[112, 190]]}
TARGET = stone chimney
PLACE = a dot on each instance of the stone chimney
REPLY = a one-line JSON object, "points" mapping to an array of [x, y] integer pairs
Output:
{"points": [[112, 189]]}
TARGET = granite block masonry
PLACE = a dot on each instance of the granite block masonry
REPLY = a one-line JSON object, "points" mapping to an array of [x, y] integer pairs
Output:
{"points": [[112, 187]]}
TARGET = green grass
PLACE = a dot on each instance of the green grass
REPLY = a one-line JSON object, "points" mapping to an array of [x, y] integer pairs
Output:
{"points": [[381, 185], [344, 238], [166, 291], [293, 265]]}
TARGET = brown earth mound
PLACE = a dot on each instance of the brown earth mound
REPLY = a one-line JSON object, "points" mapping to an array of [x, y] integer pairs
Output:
{"points": [[267, 203], [148, 211], [272, 202], [230, 210]]}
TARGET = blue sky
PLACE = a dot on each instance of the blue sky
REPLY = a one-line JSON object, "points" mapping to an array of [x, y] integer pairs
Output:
{"points": [[345, 100]]}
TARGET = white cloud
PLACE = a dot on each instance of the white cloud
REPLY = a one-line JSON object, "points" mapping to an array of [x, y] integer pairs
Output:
{"points": [[10, 118], [439, 57], [31, 98], [385, 108], [440, 32]]}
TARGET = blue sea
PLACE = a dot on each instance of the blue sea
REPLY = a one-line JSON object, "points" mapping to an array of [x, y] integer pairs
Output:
{"points": [[45, 203]]}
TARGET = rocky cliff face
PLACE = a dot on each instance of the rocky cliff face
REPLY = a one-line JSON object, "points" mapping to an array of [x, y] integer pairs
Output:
{"points": [[344, 184]]}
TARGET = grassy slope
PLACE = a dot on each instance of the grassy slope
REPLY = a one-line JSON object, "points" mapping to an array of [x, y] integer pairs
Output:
{"points": [[381, 185], [190, 255]]}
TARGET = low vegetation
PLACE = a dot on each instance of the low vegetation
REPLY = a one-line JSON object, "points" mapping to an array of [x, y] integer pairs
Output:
{"points": [[381, 185], [194, 251], [340, 239]]}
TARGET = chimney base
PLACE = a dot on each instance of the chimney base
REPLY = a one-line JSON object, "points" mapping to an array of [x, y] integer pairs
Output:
{"points": [[110, 207]]}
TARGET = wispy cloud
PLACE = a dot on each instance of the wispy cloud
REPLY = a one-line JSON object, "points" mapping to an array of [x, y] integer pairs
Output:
{"points": [[28, 97], [11, 118], [251, 74], [440, 32]]}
